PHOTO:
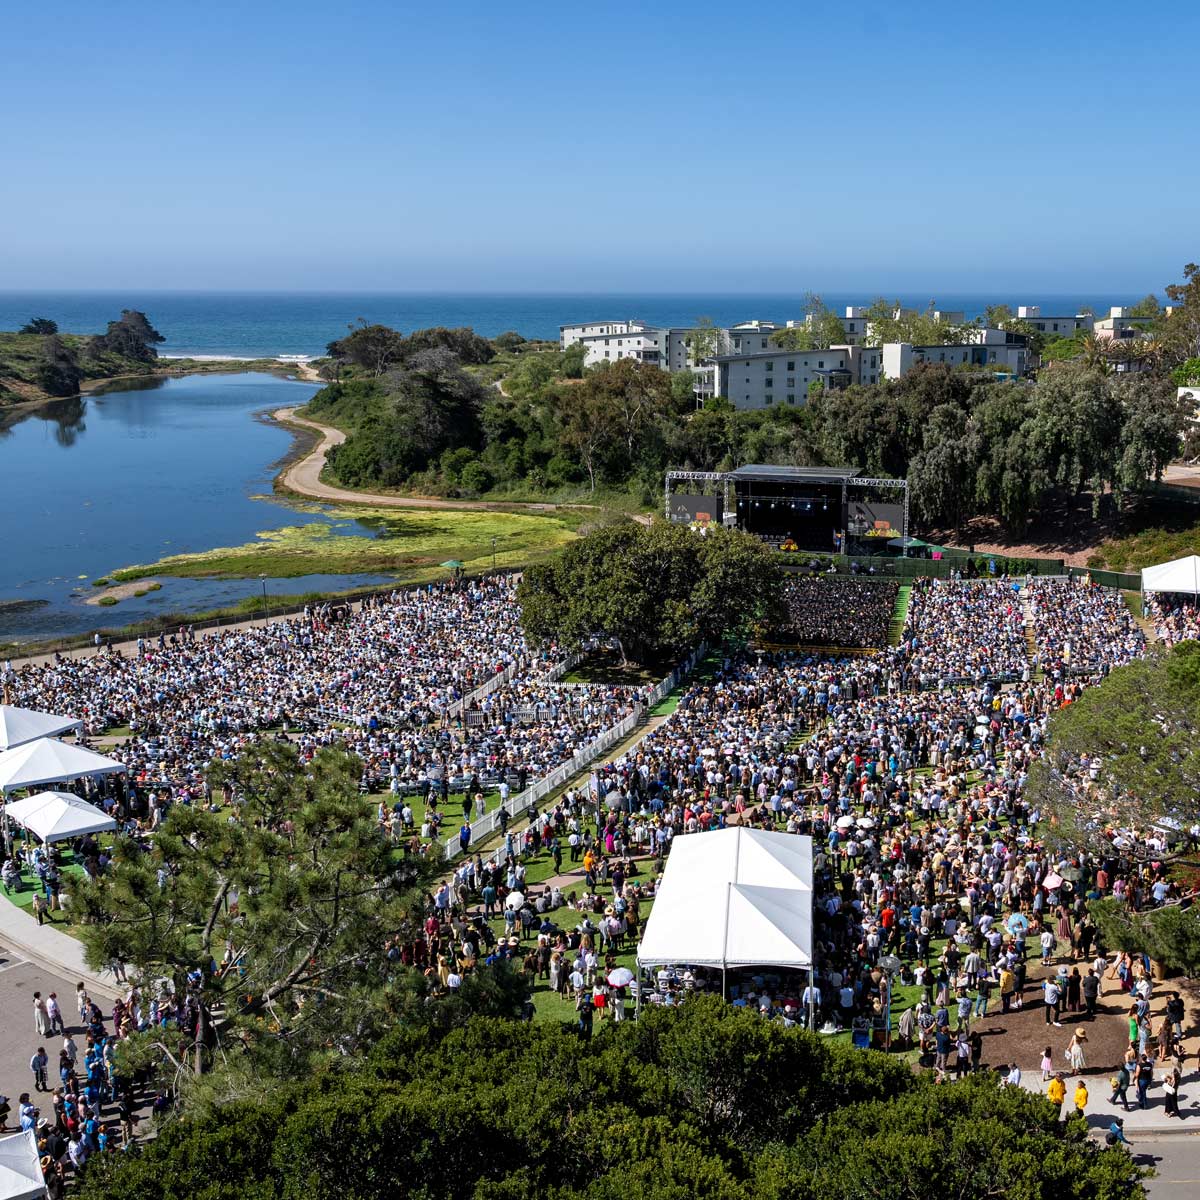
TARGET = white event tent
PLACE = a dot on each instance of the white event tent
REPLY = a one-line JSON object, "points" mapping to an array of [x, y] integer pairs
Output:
{"points": [[57, 817], [734, 897], [21, 1167], [49, 761], [21, 725], [1179, 575]]}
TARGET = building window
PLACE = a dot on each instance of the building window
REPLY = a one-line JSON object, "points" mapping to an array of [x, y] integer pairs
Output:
{"points": [[821, 365], [770, 381], [872, 360], [791, 366], [764, 343], [770, 366], [791, 397], [872, 378], [791, 381]]}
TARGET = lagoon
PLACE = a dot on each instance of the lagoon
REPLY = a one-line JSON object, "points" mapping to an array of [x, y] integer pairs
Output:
{"points": [[136, 473]]}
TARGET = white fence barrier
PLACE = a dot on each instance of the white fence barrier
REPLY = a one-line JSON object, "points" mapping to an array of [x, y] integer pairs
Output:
{"points": [[489, 824]]}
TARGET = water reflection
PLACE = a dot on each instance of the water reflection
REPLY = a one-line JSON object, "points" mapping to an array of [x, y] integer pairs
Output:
{"points": [[155, 467], [66, 415]]}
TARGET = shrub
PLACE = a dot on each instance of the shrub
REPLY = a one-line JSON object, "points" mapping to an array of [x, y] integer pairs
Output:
{"points": [[475, 477]]}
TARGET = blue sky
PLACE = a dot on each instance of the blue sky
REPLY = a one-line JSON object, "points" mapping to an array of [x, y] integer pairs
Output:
{"points": [[662, 146]]}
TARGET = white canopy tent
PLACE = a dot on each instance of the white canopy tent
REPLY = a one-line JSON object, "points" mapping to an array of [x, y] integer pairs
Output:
{"points": [[1179, 575], [58, 817], [733, 898], [21, 1167], [21, 725], [49, 761]]}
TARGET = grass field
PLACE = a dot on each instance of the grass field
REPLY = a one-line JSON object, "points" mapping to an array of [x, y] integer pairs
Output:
{"points": [[402, 544]]}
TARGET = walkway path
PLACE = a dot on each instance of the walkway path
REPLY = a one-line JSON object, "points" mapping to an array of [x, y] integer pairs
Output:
{"points": [[304, 478], [50, 948]]}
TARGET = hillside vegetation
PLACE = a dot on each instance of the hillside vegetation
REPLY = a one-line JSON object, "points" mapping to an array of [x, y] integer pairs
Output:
{"points": [[37, 362]]}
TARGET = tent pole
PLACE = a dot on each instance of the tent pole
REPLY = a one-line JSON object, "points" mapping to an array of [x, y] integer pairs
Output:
{"points": [[811, 1005], [724, 982], [637, 1000]]}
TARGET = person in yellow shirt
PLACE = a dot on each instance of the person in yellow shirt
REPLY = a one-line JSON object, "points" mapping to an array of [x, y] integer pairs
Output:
{"points": [[1081, 1097], [1057, 1091]]}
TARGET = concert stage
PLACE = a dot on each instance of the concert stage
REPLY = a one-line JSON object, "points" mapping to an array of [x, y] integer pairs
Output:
{"points": [[794, 508]]}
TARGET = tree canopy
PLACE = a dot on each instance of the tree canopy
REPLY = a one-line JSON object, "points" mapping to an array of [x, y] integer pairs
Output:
{"points": [[378, 349], [39, 325], [1139, 730], [702, 1101], [132, 336], [820, 329], [279, 915], [658, 591], [889, 321]]}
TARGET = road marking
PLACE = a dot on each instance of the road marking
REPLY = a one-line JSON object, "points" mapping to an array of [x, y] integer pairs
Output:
{"points": [[20, 962]]}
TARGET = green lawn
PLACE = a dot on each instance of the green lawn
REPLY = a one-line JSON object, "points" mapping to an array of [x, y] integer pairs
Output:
{"points": [[407, 542]]}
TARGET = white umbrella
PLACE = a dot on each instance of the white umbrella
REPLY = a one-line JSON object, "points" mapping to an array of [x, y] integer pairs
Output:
{"points": [[621, 977], [866, 822], [21, 725], [514, 899], [48, 761], [1052, 881], [845, 822]]}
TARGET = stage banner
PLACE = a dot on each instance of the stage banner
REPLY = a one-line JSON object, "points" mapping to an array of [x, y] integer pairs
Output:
{"points": [[865, 519], [689, 509]]}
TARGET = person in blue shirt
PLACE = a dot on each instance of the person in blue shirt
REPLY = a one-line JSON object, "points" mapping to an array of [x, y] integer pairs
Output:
{"points": [[1116, 1133]]}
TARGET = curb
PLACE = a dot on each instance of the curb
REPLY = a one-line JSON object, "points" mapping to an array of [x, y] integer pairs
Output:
{"points": [[10, 934]]}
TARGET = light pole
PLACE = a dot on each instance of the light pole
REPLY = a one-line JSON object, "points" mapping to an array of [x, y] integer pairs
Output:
{"points": [[264, 583]]}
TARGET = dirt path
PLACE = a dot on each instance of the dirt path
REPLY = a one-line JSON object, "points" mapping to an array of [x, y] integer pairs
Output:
{"points": [[304, 478]]}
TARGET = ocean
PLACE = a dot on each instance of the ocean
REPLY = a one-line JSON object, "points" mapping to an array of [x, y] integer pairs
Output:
{"points": [[263, 325]]}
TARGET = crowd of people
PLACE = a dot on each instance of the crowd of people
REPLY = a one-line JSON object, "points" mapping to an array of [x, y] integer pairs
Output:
{"points": [[80, 1103], [965, 630], [834, 610], [908, 768], [1081, 629], [1176, 618], [392, 681]]}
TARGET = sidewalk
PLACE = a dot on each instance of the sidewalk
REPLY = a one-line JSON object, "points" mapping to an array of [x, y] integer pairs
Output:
{"points": [[51, 948], [1100, 1114]]}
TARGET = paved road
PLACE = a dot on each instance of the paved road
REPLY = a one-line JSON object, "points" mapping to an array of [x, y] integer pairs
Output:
{"points": [[19, 979], [1177, 1161]]}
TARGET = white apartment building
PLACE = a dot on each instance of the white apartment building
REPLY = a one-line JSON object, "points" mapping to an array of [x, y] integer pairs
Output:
{"points": [[900, 357], [761, 378], [1053, 326], [568, 335], [1121, 324], [610, 341]]}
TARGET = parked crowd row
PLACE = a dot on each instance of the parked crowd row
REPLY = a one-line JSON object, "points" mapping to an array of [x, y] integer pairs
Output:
{"points": [[838, 611]]}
